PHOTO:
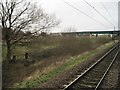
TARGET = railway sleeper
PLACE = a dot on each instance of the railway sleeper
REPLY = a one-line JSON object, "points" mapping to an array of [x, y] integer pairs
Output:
{"points": [[92, 77], [86, 86], [89, 82]]}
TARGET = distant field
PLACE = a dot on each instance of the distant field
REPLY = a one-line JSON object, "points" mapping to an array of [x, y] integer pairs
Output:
{"points": [[41, 48], [51, 55]]}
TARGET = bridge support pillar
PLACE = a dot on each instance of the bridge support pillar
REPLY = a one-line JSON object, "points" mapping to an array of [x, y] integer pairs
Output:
{"points": [[90, 35], [96, 35]]}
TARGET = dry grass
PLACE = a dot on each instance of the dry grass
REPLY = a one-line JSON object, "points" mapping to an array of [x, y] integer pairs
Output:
{"points": [[55, 69], [49, 54]]}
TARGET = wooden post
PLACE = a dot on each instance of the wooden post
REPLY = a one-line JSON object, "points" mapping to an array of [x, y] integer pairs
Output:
{"points": [[26, 62], [13, 59], [26, 55]]}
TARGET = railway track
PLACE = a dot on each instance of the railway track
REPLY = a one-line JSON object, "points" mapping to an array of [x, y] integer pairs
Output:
{"points": [[92, 77]]}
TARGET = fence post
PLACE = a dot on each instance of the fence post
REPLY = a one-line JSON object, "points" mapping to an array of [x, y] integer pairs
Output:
{"points": [[26, 55], [13, 58]]}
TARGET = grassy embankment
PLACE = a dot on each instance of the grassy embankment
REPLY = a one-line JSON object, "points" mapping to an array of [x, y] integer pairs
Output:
{"points": [[52, 56]]}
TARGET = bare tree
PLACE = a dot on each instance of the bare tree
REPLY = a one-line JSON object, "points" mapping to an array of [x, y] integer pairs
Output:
{"points": [[18, 17], [70, 29]]}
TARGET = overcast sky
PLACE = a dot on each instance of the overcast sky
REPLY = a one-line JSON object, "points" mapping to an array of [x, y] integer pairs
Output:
{"points": [[70, 17]]}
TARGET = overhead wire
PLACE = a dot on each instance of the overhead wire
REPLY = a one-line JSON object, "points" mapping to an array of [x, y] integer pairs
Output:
{"points": [[107, 11], [83, 13], [98, 12]]}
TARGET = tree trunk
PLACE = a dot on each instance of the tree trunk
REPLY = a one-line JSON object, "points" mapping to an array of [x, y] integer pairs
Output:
{"points": [[9, 52]]}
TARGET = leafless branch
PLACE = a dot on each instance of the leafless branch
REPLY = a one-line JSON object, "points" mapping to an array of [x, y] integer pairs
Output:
{"points": [[28, 18]]}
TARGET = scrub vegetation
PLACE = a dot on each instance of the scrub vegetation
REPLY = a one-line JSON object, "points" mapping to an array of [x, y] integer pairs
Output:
{"points": [[48, 57]]}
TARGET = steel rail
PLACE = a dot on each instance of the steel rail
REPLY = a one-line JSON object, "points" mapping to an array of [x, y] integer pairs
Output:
{"points": [[99, 83], [79, 76]]}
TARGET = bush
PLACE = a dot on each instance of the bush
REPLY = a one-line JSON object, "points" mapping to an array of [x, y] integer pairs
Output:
{"points": [[70, 46]]}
